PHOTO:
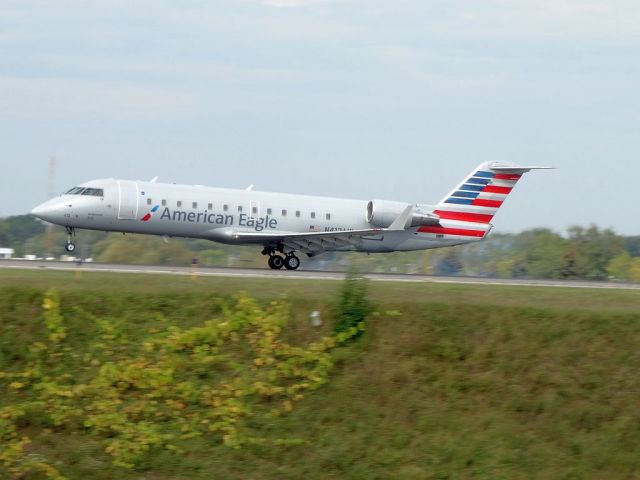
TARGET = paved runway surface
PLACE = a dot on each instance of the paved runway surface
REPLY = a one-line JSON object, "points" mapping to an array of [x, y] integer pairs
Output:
{"points": [[301, 274]]}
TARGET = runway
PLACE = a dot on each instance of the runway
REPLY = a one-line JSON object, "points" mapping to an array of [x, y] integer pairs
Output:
{"points": [[301, 274]]}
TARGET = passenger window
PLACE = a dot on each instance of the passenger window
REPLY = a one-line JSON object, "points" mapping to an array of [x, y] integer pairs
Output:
{"points": [[313, 214], [297, 213], [179, 204], [194, 205], [328, 216], [254, 210], [240, 208], [226, 208], [210, 206], [164, 203], [148, 201], [284, 213], [268, 211]]}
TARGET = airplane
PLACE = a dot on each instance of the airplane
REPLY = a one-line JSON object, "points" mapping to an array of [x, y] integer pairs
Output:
{"points": [[284, 224]]}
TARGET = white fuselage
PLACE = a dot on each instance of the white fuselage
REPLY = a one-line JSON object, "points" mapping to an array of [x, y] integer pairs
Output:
{"points": [[219, 214]]}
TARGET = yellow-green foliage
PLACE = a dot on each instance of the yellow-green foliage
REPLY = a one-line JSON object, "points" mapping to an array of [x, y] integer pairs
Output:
{"points": [[212, 380]]}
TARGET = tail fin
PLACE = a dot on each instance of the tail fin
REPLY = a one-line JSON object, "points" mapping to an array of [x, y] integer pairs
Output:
{"points": [[468, 209]]}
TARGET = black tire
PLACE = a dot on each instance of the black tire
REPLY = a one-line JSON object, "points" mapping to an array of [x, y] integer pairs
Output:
{"points": [[291, 262], [276, 262], [70, 247]]}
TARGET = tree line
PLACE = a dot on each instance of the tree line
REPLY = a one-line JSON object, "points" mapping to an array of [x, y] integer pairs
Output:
{"points": [[587, 253]]}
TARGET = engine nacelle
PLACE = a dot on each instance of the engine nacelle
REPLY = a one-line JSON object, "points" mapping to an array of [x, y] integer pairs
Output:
{"points": [[382, 213]]}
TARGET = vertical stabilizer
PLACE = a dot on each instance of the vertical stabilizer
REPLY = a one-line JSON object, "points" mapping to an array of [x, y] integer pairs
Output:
{"points": [[467, 211]]}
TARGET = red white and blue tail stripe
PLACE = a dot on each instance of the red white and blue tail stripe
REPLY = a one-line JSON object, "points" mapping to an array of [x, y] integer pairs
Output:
{"points": [[466, 212]]}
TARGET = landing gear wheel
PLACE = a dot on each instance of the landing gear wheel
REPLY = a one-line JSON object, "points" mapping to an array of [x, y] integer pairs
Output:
{"points": [[71, 235], [291, 262], [276, 262]]}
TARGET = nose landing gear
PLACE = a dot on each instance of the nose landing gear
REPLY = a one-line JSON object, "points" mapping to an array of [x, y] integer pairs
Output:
{"points": [[71, 235]]}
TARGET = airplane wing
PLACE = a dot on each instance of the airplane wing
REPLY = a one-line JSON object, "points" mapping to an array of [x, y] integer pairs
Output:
{"points": [[313, 243]]}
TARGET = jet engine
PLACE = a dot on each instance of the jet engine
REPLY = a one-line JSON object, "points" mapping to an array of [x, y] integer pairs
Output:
{"points": [[382, 213]]}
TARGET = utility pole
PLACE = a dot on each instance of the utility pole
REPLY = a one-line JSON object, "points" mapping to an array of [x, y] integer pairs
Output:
{"points": [[51, 193]]}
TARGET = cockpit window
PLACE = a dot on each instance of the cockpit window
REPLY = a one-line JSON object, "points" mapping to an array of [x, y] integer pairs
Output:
{"points": [[74, 191], [94, 192]]}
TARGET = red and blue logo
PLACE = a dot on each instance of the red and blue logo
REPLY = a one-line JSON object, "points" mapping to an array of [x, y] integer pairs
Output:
{"points": [[147, 217]]}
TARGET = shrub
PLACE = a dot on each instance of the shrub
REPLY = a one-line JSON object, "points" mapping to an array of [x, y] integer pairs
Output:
{"points": [[218, 380], [352, 306]]}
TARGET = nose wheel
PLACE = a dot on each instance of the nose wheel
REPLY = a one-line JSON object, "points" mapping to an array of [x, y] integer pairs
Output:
{"points": [[71, 235]]}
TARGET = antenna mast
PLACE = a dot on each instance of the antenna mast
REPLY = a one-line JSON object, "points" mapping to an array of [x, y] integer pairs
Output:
{"points": [[51, 193]]}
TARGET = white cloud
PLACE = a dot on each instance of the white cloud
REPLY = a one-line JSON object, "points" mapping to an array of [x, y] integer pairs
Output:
{"points": [[540, 18], [292, 3], [53, 97]]}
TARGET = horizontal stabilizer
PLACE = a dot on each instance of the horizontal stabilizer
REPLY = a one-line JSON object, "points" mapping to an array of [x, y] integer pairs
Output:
{"points": [[513, 168]]}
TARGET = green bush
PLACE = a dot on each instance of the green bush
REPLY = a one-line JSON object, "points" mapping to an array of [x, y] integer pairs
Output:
{"points": [[352, 306], [219, 380]]}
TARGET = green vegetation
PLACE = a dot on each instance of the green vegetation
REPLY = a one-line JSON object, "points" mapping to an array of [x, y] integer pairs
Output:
{"points": [[447, 381], [215, 381], [16, 231], [352, 306], [583, 253]]}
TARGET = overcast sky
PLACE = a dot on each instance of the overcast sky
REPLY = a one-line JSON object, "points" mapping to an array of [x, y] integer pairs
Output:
{"points": [[356, 98]]}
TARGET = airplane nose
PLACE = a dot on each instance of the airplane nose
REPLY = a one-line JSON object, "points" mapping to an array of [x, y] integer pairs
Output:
{"points": [[46, 211], [37, 211]]}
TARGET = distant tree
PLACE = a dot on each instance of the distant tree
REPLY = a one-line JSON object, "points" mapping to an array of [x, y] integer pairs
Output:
{"points": [[15, 231], [143, 249], [543, 252], [634, 270], [632, 245], [489, 257], [505, 268], [592, 250], [450, 264], [211, 257], [620, 266]]}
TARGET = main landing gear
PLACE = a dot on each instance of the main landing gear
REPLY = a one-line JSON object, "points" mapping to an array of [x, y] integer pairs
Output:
{"points": [[71, 235], [276, 262]]}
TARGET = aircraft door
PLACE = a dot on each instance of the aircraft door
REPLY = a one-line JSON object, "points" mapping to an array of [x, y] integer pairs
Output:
{"points": [[127, 200]]}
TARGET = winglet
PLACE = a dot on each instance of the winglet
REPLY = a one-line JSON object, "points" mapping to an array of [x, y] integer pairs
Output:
{"points": [[154, 179], [400, 223]]}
